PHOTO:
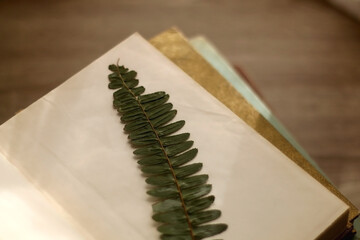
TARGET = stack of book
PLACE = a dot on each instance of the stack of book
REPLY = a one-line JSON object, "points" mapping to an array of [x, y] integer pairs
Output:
{"points": [[68, 170]]}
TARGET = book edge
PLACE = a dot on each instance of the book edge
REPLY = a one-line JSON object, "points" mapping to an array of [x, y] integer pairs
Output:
{"points": [[162, 42]]}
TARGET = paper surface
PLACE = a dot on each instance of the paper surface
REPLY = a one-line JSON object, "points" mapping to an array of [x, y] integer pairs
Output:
{"points": [[70, 143], [27, 215]]}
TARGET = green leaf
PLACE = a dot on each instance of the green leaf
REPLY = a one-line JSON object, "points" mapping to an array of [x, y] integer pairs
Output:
{"points": [[161, 180], [171, 140], [113, 67], [139, 133], [133, 112], [128, 101], [116, 103], [204, 217], [156, 103], [159, 110], [178, 148], [124, 98], [142, 134], [115, 84], [209, 230], [174, 229], [167, 205], [163, 119], [132, 83], [136, 117], [177, 216], [148, 150], [121, 92], [188, 170], [138, 90], [124, 91], [199, 204], [120, 69], [170, 128], [144, 141], [151, 160], [196, 192], [128, 75], [151, 97], [127, 109], [135, 125], [129, 104], [193, 181], [114, 77], [164, 192], [184, 157], [156, 169]]}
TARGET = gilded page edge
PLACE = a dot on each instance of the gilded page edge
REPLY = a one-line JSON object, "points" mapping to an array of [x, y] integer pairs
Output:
{"points": [[174, 45]]}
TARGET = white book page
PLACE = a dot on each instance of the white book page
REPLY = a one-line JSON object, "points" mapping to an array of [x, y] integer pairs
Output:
{"points": [[72, 145], [26, 214]]}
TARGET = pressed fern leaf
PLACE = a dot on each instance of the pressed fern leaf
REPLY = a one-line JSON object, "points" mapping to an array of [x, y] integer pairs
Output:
{"points": [[164, 157]]}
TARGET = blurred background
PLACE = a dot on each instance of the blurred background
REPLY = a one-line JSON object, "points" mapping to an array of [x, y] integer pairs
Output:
{"points": [[303, 56]]}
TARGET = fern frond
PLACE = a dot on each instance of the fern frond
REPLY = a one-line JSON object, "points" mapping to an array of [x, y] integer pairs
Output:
{"points": [[164, 156]]}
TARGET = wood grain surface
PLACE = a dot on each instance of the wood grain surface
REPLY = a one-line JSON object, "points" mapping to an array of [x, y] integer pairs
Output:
{"points": [[303, 56]]}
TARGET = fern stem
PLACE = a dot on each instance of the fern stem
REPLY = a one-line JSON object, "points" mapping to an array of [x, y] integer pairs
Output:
{"points": [[165, 154]]}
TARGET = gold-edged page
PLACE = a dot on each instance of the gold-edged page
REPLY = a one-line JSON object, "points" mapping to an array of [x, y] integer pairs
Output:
{"points": [[71, 145], [173, 44]]}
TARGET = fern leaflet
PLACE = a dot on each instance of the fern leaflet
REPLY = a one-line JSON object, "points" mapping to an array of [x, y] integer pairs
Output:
{"points": [[183, 195]]}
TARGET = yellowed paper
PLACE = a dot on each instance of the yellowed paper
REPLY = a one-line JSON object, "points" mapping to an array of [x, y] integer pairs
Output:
{"points": [[27, 215], [71, 144]]}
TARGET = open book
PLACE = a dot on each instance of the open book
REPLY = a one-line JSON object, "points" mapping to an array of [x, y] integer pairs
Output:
{"points": [[68, 170]]}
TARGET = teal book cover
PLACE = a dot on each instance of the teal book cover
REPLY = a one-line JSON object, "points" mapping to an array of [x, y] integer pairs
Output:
{"points": [[209, 52]]}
